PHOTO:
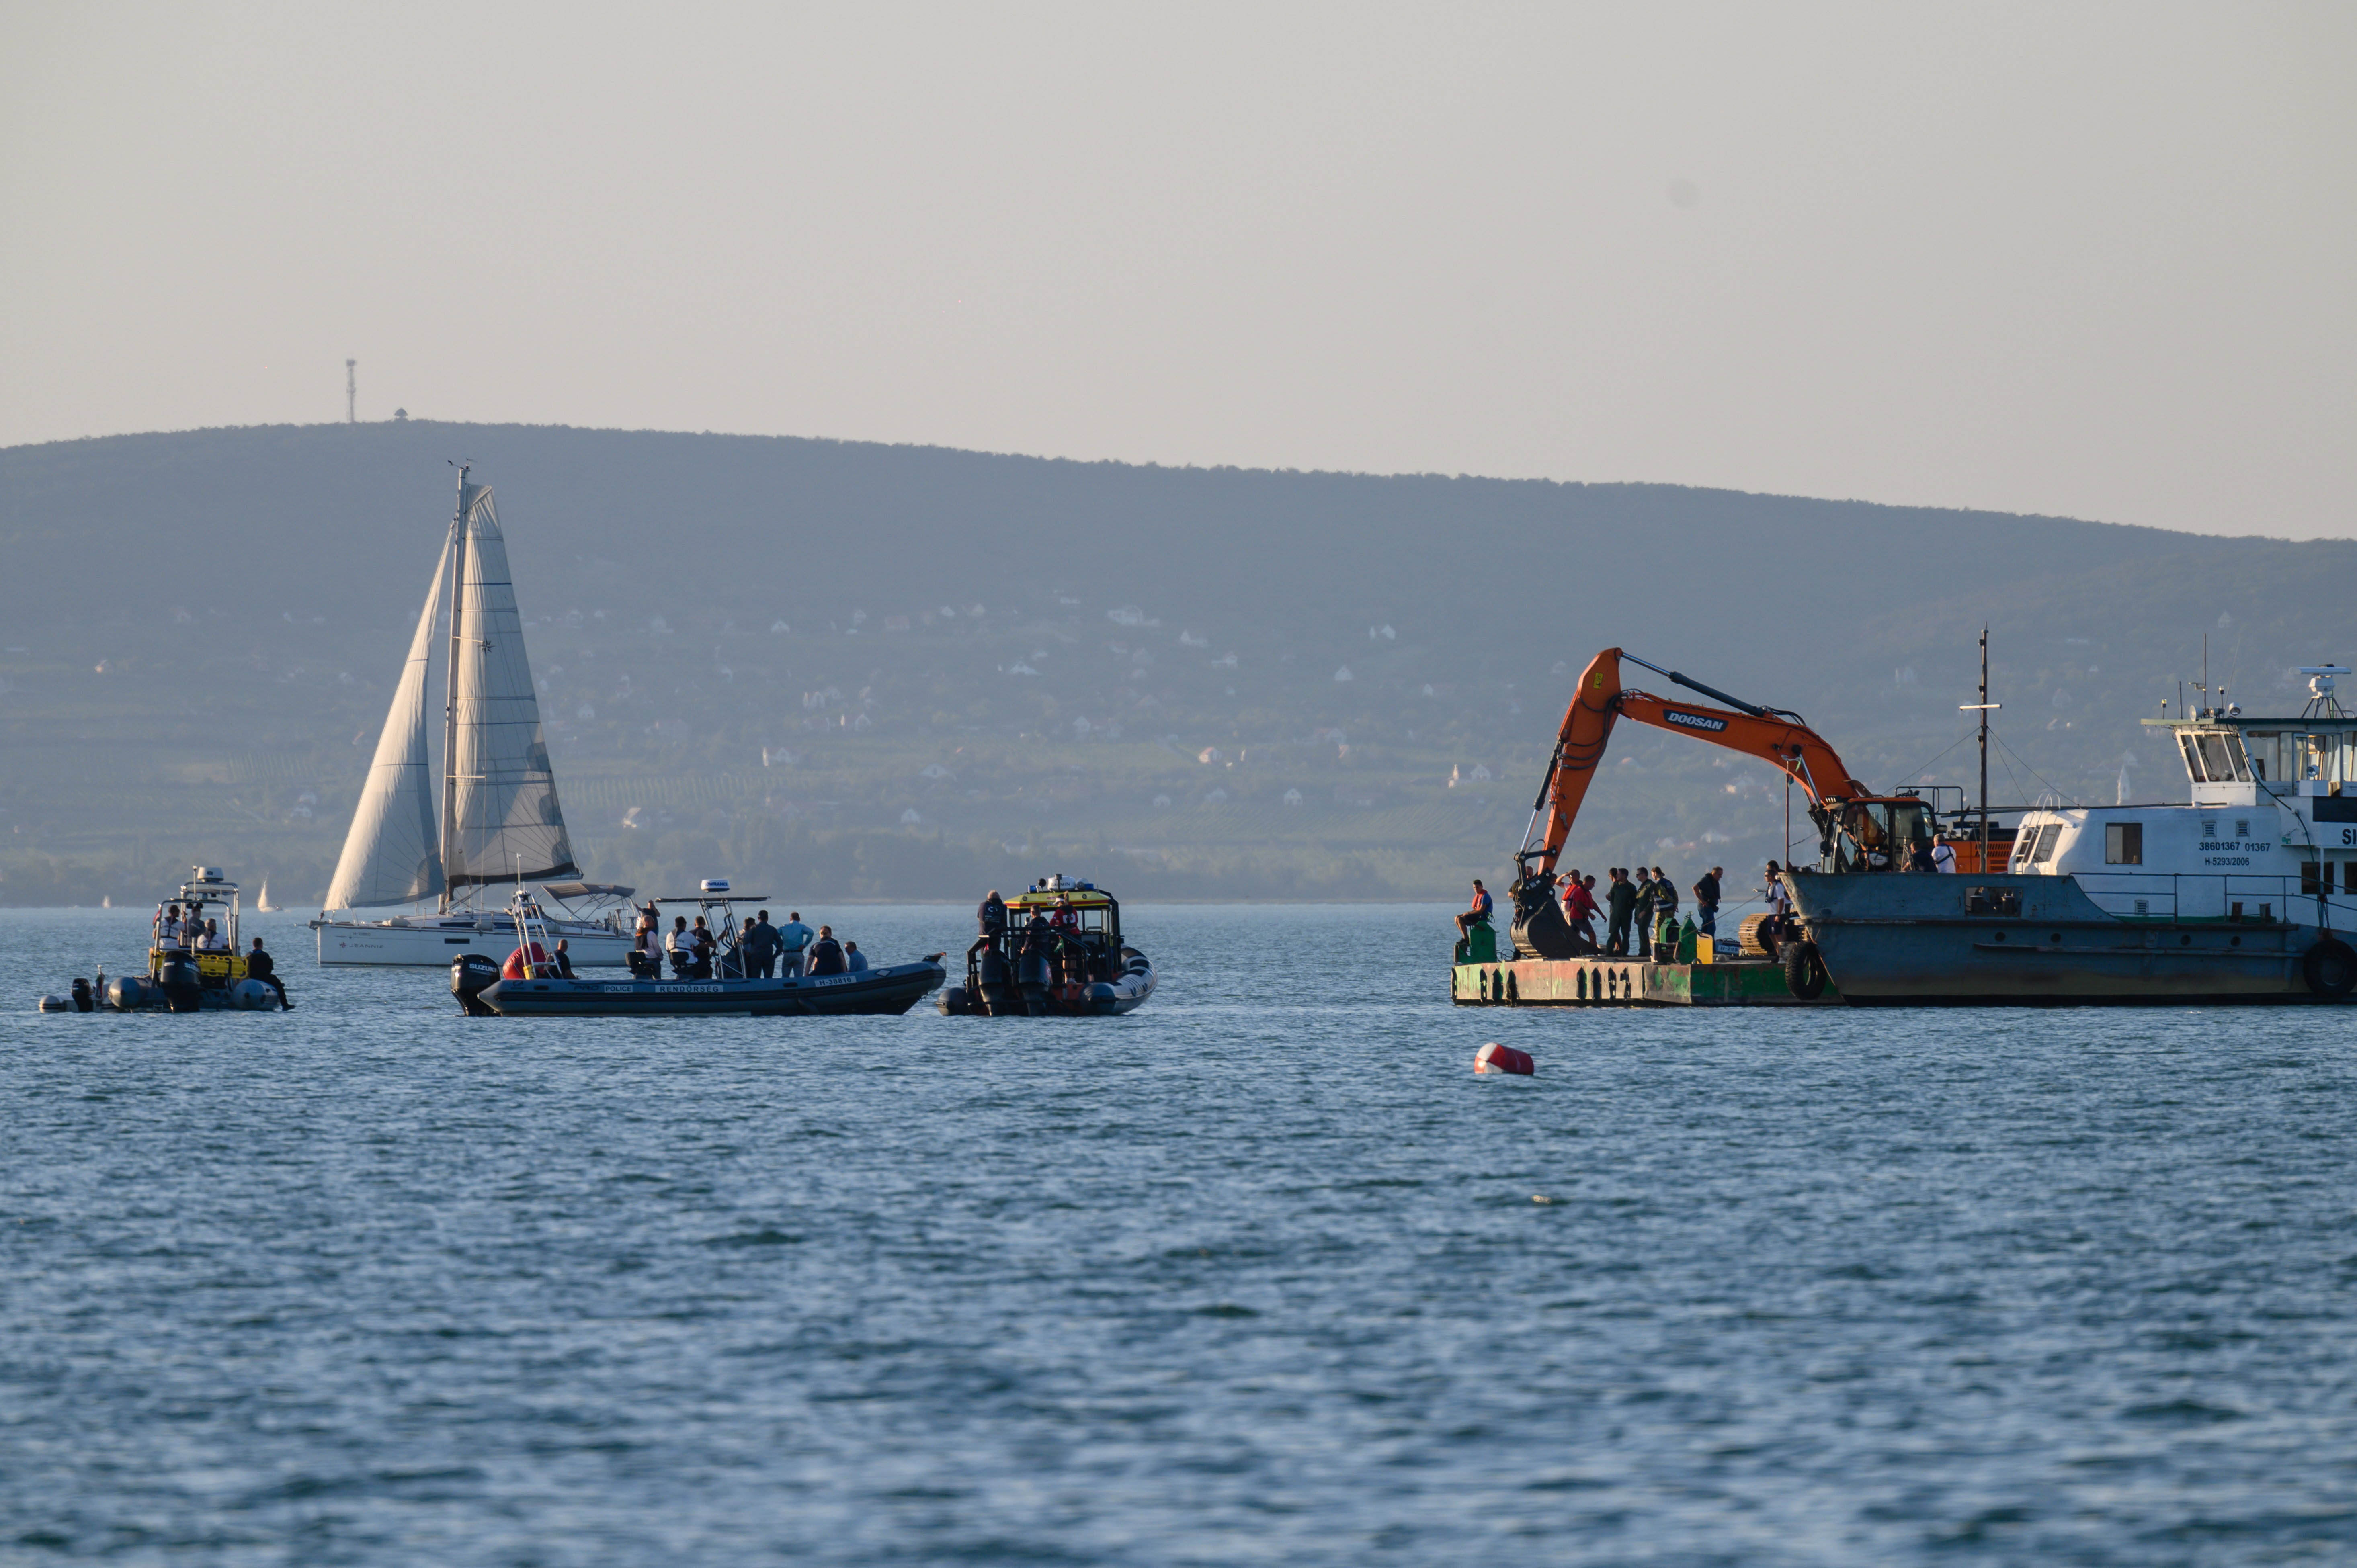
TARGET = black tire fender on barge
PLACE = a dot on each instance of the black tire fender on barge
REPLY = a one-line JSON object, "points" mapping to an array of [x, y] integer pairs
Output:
{"points": [[2330, 968], [1804, 969]]}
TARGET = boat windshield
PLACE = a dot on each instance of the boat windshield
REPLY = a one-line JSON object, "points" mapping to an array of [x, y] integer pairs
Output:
{"points": [[2214, 757]]}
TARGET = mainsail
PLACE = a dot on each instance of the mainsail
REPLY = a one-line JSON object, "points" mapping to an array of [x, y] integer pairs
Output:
{"points": [[390, 855], [504, 823]]}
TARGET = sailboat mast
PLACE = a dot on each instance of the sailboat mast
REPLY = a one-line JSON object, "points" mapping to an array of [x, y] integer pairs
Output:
{"points": [[451, 685]]}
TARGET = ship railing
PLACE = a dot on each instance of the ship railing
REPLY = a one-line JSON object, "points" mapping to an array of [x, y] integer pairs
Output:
{"points": [[2206, 897]]}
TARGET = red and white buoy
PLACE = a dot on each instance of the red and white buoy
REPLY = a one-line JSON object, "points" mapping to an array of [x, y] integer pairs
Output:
{"points": [[1495, 1058]]}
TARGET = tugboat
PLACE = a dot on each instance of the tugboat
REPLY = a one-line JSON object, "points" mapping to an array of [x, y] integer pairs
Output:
{"points": [[2247, 894], [531, 985], [189, 970], [1060, 953]]}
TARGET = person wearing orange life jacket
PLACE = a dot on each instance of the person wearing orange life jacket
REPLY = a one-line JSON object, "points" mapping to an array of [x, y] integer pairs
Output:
{"points": [[1477, 912]]}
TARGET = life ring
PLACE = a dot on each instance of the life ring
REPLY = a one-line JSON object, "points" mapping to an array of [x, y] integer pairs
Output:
{"points": [[1805, 971], [2330, 968]]}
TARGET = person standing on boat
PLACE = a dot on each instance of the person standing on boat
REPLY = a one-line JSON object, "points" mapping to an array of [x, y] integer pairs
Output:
{"points": [[797, 940], [261, 966], [1919, 856], [1641, 913], [681, 945], [167, 926], [1943, 857], [1620, 900], [1580, 906], [989, 924], [1706, 892], [1666, 913], [826, 953], [759, 948]]}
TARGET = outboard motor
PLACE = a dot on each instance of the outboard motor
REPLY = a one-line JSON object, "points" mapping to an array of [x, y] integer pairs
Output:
{"points": [[471, 974], [1033, 979], [83, 1002], [183, 991], [998, 985]]}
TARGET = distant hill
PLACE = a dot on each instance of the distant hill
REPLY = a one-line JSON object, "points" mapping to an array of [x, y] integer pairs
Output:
{"points": [[857, 671]]}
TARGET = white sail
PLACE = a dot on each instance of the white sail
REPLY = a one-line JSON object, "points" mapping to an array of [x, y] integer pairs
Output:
{"points": [[390, 855], [504, 820]]}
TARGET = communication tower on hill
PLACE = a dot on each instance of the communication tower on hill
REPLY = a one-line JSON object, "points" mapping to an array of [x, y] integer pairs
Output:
{"points": [[351, 394]]}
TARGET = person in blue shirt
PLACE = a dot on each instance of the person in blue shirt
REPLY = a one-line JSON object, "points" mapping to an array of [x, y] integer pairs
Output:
{"points": [[796, 940], [854, 960]]}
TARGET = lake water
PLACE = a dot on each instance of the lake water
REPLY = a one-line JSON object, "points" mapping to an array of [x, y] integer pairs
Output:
{"points": [[1261, 1274]]}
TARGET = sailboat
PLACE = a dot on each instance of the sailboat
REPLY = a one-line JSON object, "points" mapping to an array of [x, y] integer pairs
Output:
{"points": [[262, 904], [490, 818]]}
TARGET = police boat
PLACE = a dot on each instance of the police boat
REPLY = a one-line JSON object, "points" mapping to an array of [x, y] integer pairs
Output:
{"points": [[718, 985]]}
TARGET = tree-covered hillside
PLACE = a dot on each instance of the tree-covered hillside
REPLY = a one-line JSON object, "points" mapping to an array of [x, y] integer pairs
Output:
{"points": [[861, 670]]}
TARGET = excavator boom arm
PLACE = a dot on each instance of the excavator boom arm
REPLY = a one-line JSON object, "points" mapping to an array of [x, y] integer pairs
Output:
{"points": [[1791, 746]]}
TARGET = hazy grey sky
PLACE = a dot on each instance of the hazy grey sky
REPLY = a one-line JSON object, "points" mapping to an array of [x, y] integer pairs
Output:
{"points": [[2096, 260]]}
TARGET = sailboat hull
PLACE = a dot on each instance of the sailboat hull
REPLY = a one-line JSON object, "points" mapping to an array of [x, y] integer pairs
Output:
{"points": [[432, 941]]}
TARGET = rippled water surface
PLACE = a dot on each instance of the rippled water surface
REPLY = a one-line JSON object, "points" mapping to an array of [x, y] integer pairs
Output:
{"points": [[1261, 1273]]}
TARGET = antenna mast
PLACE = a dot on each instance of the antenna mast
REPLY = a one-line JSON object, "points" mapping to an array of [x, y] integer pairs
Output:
{"points": [[351, 393], [1986, 707]]}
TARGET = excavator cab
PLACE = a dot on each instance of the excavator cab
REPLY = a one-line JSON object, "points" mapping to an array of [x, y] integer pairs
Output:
{"points": [[1871, 835]]}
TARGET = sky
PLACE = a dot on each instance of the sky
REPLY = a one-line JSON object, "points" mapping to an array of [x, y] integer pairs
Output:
{"points": [[2087, 259]]}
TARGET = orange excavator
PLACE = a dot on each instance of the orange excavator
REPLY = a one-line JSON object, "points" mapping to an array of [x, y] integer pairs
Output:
{"points": [[1860, 831]]}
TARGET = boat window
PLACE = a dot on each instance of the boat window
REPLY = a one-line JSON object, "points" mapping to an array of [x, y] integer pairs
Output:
{"points": [[2191, 747], [2349, 876], [2222, 759], [1908, 823], [2123, 843]]}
